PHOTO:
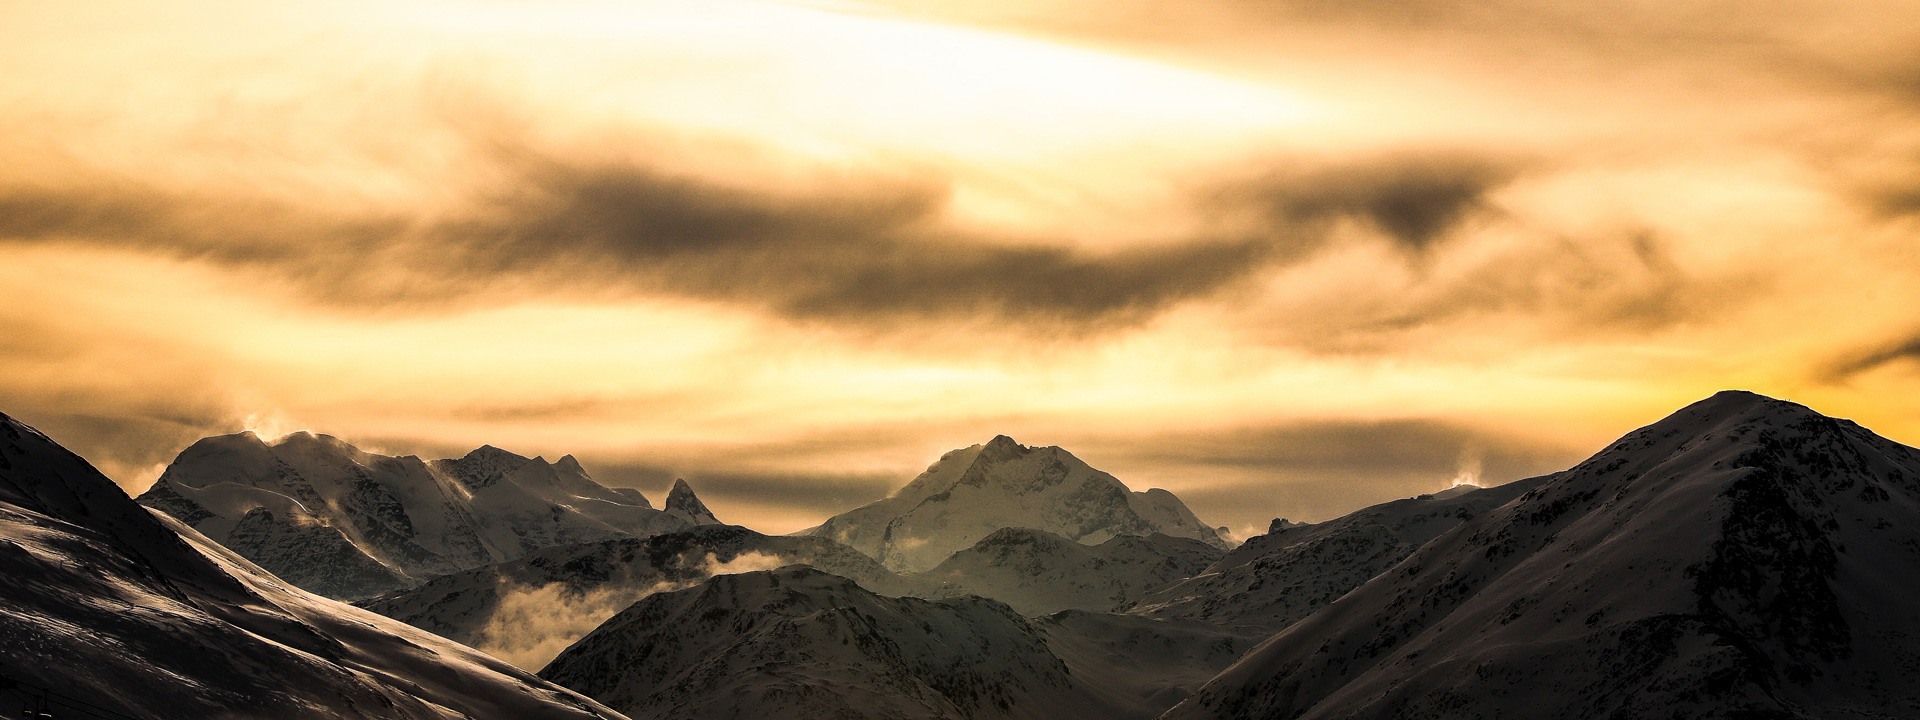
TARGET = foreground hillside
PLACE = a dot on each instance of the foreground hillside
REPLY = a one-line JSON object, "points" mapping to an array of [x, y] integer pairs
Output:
{"points": [[103, 600]]}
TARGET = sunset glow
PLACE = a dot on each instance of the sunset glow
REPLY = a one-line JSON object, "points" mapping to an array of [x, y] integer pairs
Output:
{"points": [[793, 252]]}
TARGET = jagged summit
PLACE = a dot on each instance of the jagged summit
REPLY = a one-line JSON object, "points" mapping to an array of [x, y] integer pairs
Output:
{"points": [[142, 617], [972, 492], [482, 467], [1743, 557], [346, 523], [683, 504]]}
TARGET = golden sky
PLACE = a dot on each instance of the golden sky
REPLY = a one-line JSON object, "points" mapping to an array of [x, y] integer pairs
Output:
{"points": [[1282, 257]]}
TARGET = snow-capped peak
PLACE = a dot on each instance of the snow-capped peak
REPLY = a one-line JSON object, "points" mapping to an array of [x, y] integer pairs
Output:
{"points": [[972, 492]]}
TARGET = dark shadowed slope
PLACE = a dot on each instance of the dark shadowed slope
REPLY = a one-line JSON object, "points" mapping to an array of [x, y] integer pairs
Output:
{"points": [[1745, 557], [103, 600], [799, 644], [1275, 579]]}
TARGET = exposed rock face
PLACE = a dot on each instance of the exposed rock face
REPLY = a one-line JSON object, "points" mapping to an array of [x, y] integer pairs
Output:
{"points": [[349, 524], [1744, 557], [1039, 572], [973, 492], [1275, 579], [132, 611]]}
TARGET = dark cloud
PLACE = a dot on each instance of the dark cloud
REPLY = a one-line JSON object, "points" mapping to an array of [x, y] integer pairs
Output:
{"points": [[841, 252], [1412, 198], [1626, 281], [858, 250], [1549, 287], [1864, 360]]}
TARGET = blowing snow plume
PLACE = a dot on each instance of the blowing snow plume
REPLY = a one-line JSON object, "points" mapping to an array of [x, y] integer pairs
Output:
{"points": [[534, 623]]}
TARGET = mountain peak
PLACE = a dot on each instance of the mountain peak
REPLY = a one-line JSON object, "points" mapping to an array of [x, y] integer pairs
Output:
{"points": [[1762, 538], [483, 467], [244, 442], [682, 503], [1737, 404], [971, 493]]}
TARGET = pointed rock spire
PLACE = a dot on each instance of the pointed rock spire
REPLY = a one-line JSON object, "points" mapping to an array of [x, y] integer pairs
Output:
{"points": [[682, 503]]}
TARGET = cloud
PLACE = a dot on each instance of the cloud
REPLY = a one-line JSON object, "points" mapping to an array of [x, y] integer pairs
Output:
{"points": [[849, 252], [1857, 362], [532, 624], [1413, 197]]}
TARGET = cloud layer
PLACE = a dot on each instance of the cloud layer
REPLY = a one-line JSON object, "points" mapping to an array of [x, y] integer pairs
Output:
{"points": [[1312, 253]]}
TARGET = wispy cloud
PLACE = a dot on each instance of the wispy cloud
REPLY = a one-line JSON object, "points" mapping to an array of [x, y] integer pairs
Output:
{"points": [[792, 252]]}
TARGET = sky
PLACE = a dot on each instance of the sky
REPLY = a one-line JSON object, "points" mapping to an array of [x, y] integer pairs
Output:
{"points": [[1285, 258]]}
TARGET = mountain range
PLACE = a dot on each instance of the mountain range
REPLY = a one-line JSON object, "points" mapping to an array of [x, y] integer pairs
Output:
{"points": [[349, 524], [1743, 558]]}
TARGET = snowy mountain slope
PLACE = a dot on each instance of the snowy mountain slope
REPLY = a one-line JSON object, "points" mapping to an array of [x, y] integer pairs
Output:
{"points": [[577, 587], [346, 523], [1744, 557], [802, 644], [104, 600], [1039, 572], [974, 491], [1273, 580]]}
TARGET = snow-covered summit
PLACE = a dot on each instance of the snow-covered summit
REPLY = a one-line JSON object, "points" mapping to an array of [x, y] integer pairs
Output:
{"points": [[972, 492], [347, 523]]}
